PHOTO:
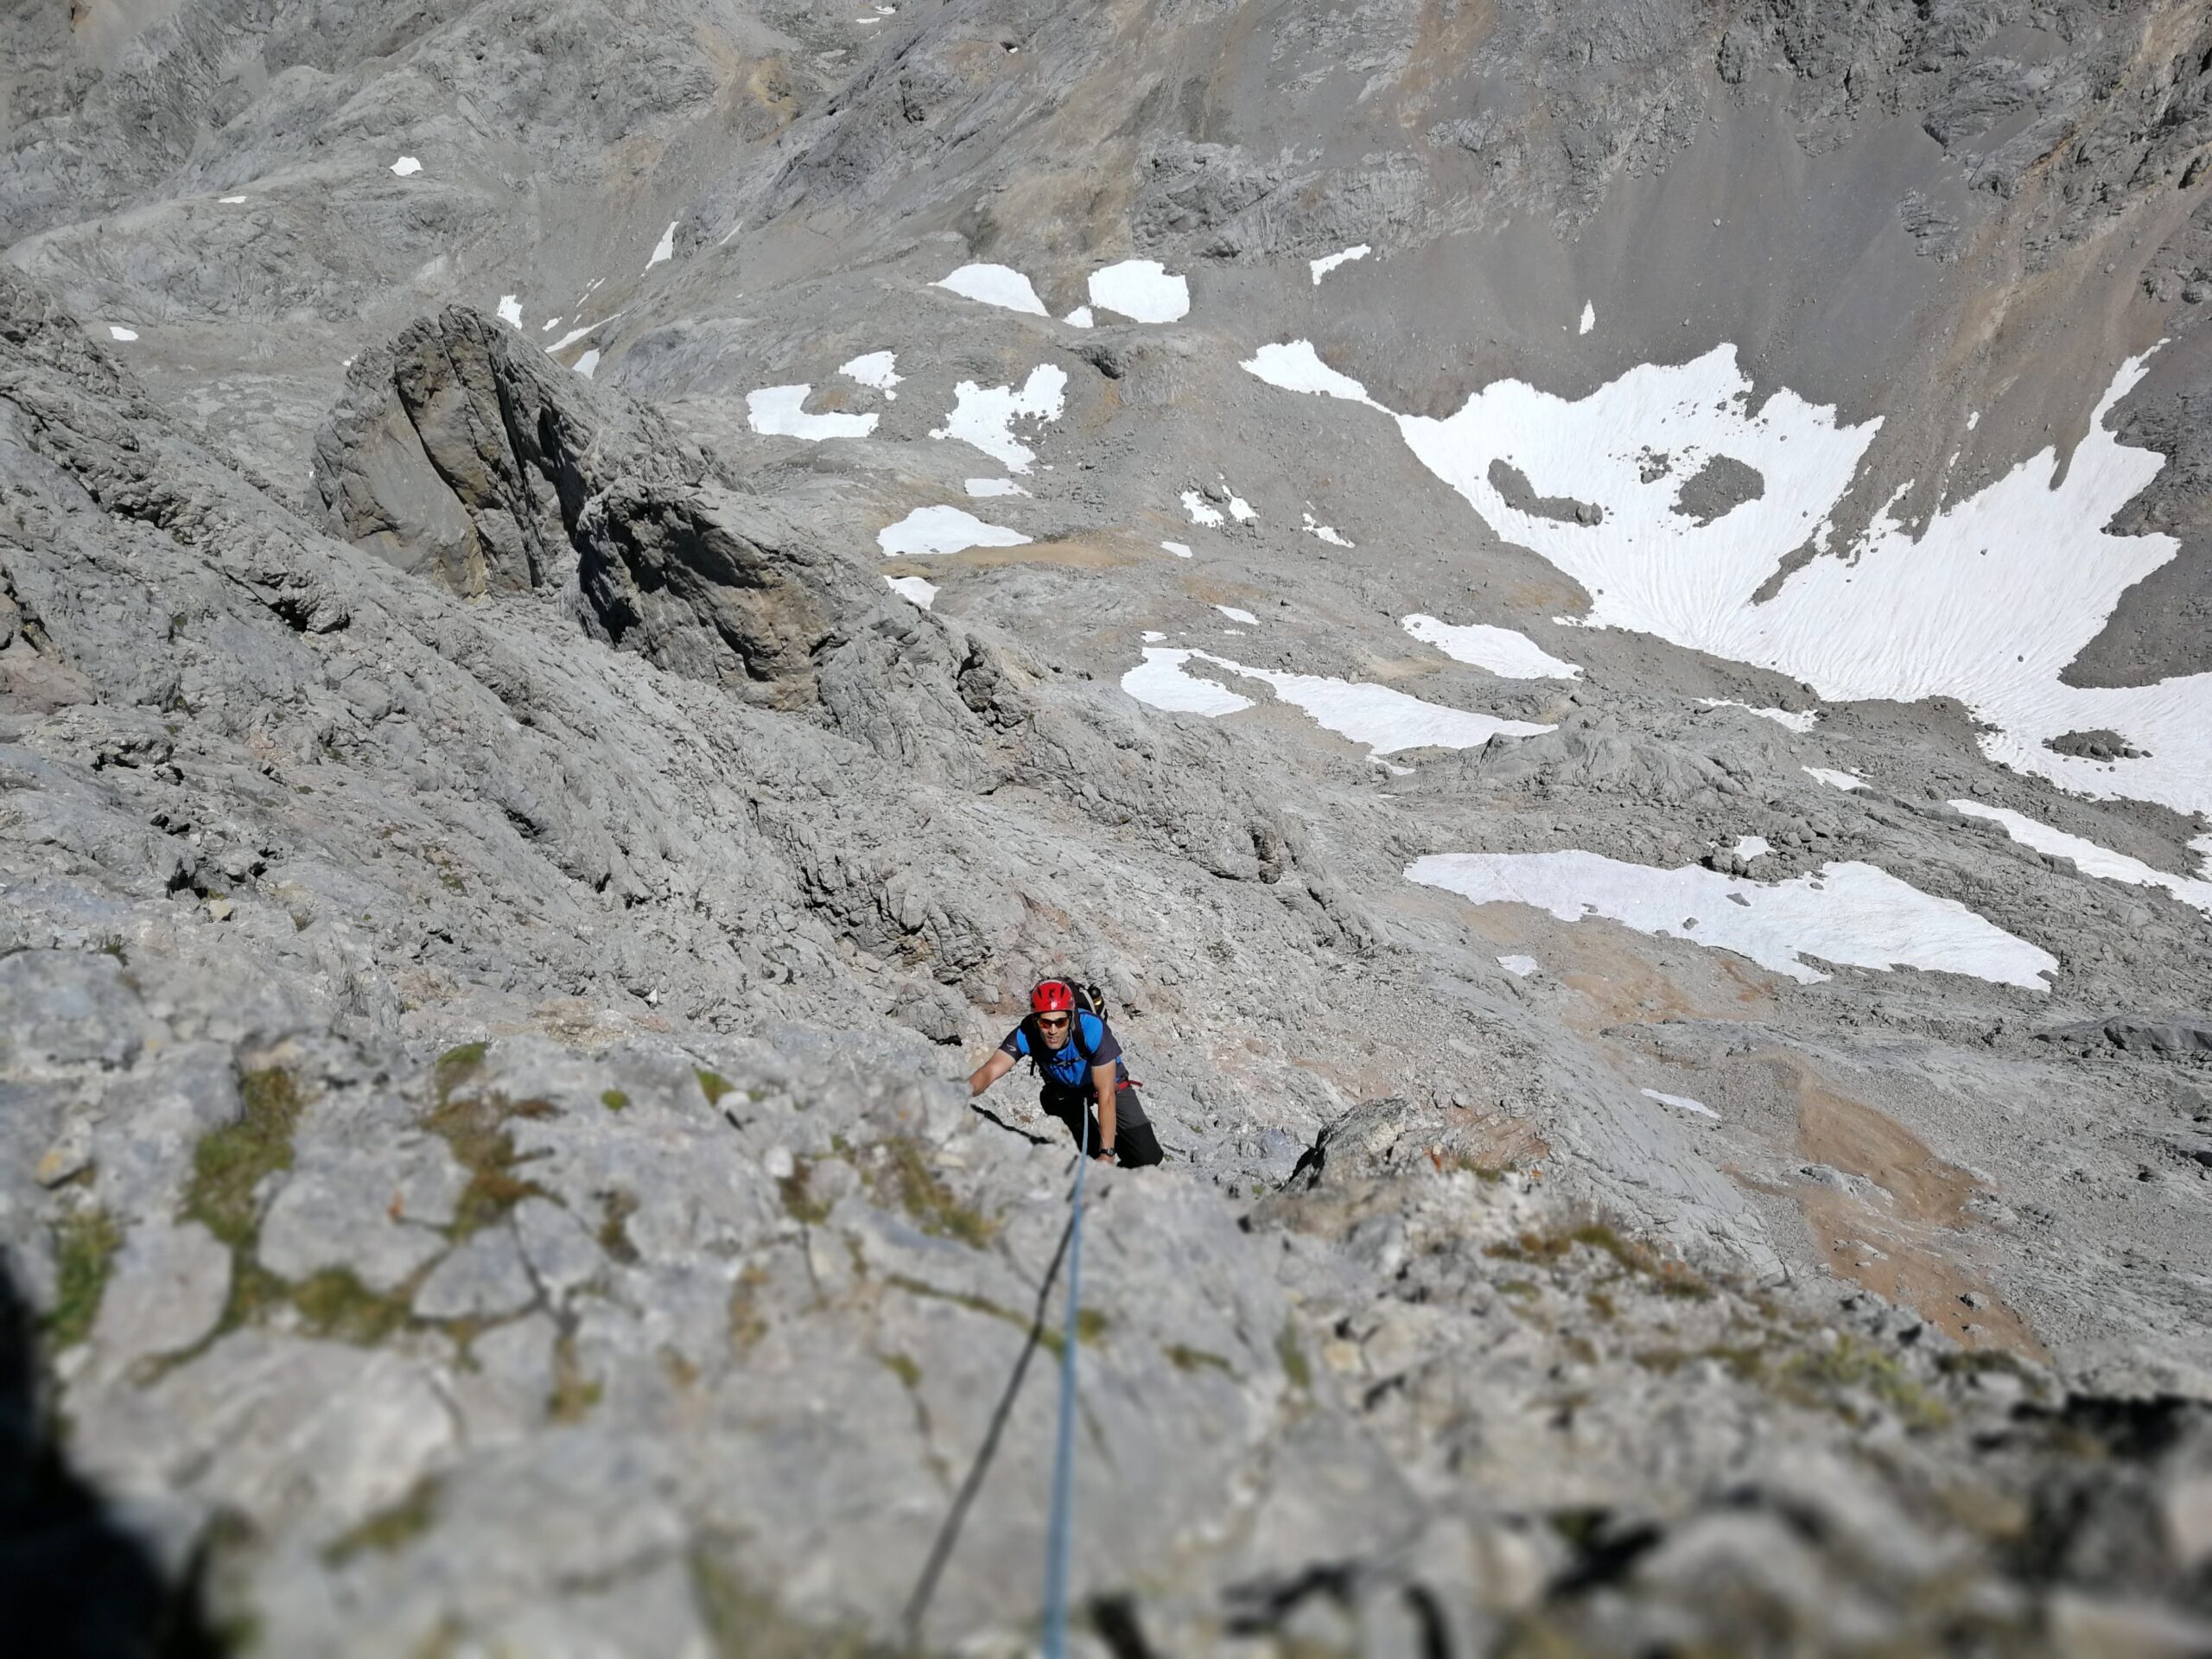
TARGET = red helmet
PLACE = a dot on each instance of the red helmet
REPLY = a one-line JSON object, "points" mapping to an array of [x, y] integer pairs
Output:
{"points": [[1053, 997]]}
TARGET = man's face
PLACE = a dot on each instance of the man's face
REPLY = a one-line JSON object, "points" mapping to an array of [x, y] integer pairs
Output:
{"points": [[1054, 1029]]}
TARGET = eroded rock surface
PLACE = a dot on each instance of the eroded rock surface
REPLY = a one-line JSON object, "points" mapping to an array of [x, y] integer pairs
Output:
{"points": [[497, 887]]}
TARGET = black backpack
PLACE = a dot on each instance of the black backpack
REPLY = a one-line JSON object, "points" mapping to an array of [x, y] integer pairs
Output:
{"points": [[1088, 999]]}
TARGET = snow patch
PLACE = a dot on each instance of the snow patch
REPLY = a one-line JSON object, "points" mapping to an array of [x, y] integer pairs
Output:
{"points": [[983, 416], [511, 311], [1800, 719], [1849, 913], [1081, 317], [994, 486], [1142, 290], [1510, 656], [779, 411], [1202, 510], [1834, 779], [1385, 721], [407, 167], [917, 588], [1328, 263], [587, 364], [1328, 533], [944, 530], [876, 368], [116, 331], [1159, 682], [1589, 318], [999, 285], [1235, 615], [1519, 967], [1680, 1102], [1294, 366], [576, 334], [1987, 603], [665, 248], [2089, 858], [1752, 847], [1179, 550], [230, 201]]}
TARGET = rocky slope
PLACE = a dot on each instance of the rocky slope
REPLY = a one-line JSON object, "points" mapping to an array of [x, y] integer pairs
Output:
{"points": [[557, 684]]}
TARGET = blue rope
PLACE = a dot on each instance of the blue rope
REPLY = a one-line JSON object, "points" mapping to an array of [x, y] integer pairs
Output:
{"points": [[1056, 1535]]}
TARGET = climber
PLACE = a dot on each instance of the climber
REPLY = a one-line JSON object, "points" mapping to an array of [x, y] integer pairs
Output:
{"points": [[1069, 1045]]}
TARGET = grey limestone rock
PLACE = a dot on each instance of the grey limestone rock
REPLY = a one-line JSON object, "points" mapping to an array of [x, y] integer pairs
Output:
{"points": [[493, 881], [484, 1276]]}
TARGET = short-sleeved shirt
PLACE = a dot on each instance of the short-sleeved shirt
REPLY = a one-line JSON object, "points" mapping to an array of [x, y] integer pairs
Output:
{"points": [[1065, 1066]]}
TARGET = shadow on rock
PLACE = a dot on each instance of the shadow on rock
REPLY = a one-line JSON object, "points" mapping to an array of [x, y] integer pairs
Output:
{"points": [[73, 1583]]}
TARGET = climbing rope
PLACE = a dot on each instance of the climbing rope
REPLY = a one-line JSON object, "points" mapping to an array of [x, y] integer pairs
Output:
{"points": [[1057, 1532]]}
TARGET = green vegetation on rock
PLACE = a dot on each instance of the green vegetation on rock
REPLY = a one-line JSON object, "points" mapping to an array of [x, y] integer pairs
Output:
{"points": [[336, 1305], [901, 1172], [229, 1163], [744, 1621], [1186, 1358], [84, 1255], [475, 1128], [389, 1529]]}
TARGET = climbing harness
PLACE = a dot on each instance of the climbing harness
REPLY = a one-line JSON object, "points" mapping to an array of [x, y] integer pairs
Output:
{"points": [[1056, 1535]]}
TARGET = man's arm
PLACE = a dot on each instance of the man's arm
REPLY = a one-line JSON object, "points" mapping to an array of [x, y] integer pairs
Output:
{"points": [[1103, 1078], [990, 1072]]}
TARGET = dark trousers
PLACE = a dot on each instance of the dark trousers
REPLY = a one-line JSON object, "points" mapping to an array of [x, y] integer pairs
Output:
{"points": [[1135, 1144]]}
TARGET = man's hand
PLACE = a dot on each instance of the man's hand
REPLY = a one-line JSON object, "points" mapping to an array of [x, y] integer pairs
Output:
{"points": [[990, 1072]]}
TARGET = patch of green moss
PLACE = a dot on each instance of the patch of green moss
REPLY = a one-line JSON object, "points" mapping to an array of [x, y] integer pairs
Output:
{"points": [[1489, 1174], [908, 1373], [475, 1128], [614, 1100], [1668, 1276], [457, 1066], [1853, 1364], [84, 1255], [229, 1163], [615, 1209], [900, 1171], [336, 1305], [800, 1203], [1293, 1355], [743, 1621], [748, 1325], [389, 1530], [1090, 1325], [1185, 1358], [574, 1394], [712, 1084]]}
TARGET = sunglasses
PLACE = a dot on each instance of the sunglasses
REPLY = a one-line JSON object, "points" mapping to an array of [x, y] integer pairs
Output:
{"points": [[1051, 1021]]}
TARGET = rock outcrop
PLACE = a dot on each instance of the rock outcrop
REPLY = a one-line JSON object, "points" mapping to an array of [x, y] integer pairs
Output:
{"points": [[561, 674]]}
